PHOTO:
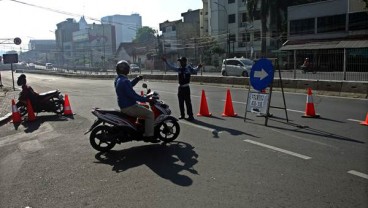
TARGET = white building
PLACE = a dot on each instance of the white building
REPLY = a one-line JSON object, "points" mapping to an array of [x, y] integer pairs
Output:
{"points": [[126, 26]]}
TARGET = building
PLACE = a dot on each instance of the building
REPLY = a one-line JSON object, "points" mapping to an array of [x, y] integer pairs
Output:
{"points": [[181, 37], [334, 40], [64, 40], [126, 26], [227, 21], [83, 44]]}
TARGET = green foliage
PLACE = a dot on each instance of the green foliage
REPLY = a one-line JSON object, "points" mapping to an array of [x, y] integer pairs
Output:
{"points": [[145, 35]]}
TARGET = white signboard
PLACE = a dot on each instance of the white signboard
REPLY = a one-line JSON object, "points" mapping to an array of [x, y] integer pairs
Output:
{"points": [[257, 102]]}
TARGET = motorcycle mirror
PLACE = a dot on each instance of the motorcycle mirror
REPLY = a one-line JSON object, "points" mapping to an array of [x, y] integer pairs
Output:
{"points": [[144, 85]]}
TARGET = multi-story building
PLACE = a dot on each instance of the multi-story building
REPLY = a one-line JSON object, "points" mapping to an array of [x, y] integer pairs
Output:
{"points": [[126, 26], [227, 21], [180, 37], [64, 40], [334, 39], [83, 44]]}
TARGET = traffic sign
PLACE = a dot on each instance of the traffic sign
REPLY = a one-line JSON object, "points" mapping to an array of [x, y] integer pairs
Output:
{"points": [[261, 74], [17, 41]]}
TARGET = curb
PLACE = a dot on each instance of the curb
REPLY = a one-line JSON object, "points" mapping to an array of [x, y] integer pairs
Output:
{"points": [[5, 118]]}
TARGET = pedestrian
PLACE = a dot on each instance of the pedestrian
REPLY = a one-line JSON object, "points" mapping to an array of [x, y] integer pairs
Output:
{"points": [[184, 73]]}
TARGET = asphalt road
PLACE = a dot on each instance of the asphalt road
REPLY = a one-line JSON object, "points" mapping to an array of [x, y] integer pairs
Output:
{"points": [[216, 161]]}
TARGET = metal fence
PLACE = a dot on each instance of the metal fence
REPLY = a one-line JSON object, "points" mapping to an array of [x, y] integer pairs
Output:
{"points": [[326, 64]]}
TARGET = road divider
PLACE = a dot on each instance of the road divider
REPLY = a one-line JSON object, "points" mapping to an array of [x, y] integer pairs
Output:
{"points": [[327, 87]]}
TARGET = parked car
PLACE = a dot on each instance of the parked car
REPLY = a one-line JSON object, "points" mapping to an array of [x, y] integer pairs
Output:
{"points": [[134, 68], [49, 66], [236, 67], [31, 66]]}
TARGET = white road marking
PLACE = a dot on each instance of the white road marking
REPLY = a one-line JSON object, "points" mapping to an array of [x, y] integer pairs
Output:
{"points": [[278, 149], [213, 131], [356, 173], [354, 120]]}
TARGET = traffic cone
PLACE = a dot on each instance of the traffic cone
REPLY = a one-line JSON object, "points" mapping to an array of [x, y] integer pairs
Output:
{"points": [[309, 107], [366, 121], [67, 107], [228, 109], [203, 111], [31, 115], [16, 117]]}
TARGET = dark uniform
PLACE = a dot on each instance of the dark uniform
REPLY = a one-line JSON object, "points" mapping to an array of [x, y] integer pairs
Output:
{"points": [[184, 73]]}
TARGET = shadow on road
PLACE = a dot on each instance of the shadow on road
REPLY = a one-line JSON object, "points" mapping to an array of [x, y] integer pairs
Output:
{"points": [[31, 126], [221, 128], [166, 160], [313, 131]]}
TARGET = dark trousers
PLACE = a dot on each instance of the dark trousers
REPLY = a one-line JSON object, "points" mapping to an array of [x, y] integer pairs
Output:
{"points": [[184, 96]]}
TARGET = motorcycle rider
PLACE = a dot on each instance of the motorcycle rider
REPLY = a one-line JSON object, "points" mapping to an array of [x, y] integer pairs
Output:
{"points": [[127, 99]]}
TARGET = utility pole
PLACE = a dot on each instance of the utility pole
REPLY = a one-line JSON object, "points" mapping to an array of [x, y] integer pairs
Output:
{"points": [[195, 50]]}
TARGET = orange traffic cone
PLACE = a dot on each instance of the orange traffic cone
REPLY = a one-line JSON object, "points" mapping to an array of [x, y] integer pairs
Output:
{"points": [[16, 117], [67, 107], [31, 115], [203, 111], [309, 108], [228, 109], [366, 121]]}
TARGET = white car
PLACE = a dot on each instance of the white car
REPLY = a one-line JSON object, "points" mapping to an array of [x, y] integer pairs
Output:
{"points": [[236, 67], [135, 68]]}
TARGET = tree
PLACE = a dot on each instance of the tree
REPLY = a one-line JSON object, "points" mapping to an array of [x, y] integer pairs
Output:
{"points": [[276, 11], [145, 35]]}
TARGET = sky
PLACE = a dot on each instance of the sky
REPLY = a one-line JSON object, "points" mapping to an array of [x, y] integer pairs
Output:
{"points": [[37, 19]]}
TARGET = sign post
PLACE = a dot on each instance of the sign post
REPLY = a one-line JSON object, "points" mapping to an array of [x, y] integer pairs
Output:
{"points": [[262, 77]]}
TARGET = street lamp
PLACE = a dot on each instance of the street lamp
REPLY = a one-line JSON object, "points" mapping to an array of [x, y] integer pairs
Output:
{"points": [[227, 27]]}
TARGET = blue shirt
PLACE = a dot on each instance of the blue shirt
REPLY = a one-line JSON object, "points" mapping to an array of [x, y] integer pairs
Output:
{"points": [[125, 93]]}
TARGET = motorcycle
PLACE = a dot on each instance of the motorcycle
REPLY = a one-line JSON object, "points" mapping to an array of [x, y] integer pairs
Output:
{"points": [[114, 127], [51, 101]]}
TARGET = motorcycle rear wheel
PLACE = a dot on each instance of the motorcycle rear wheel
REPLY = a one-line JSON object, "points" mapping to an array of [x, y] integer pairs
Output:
{"points": [[168, 130], [59, 105], [101, 138]]}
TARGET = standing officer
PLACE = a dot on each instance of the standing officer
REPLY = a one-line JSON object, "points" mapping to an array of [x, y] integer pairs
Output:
{"points": [[184, 72]]}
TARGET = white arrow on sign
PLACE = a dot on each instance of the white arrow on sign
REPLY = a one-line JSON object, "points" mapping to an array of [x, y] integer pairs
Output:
{"points": [[260, 74]]}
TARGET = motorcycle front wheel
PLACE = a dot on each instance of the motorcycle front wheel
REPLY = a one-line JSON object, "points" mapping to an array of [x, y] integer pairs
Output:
{"points": [[168, 130], [101, 138]]}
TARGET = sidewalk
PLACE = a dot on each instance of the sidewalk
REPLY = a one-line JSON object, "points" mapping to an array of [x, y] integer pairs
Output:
{"points": [[6, 95]]}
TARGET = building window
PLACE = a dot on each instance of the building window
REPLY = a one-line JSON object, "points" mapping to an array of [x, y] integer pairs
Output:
{"points": [[231, 18], [244, 17], [257, 36], [230, 1], [302, 27], [358, 21], [232, 37], [331, 23], [245, 37]]}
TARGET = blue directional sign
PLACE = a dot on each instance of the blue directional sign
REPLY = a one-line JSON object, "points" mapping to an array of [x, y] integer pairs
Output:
{"points": [[261, 74]]}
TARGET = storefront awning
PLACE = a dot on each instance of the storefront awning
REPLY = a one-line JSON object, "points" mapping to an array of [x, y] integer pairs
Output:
{"points": [[326, 45]]}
